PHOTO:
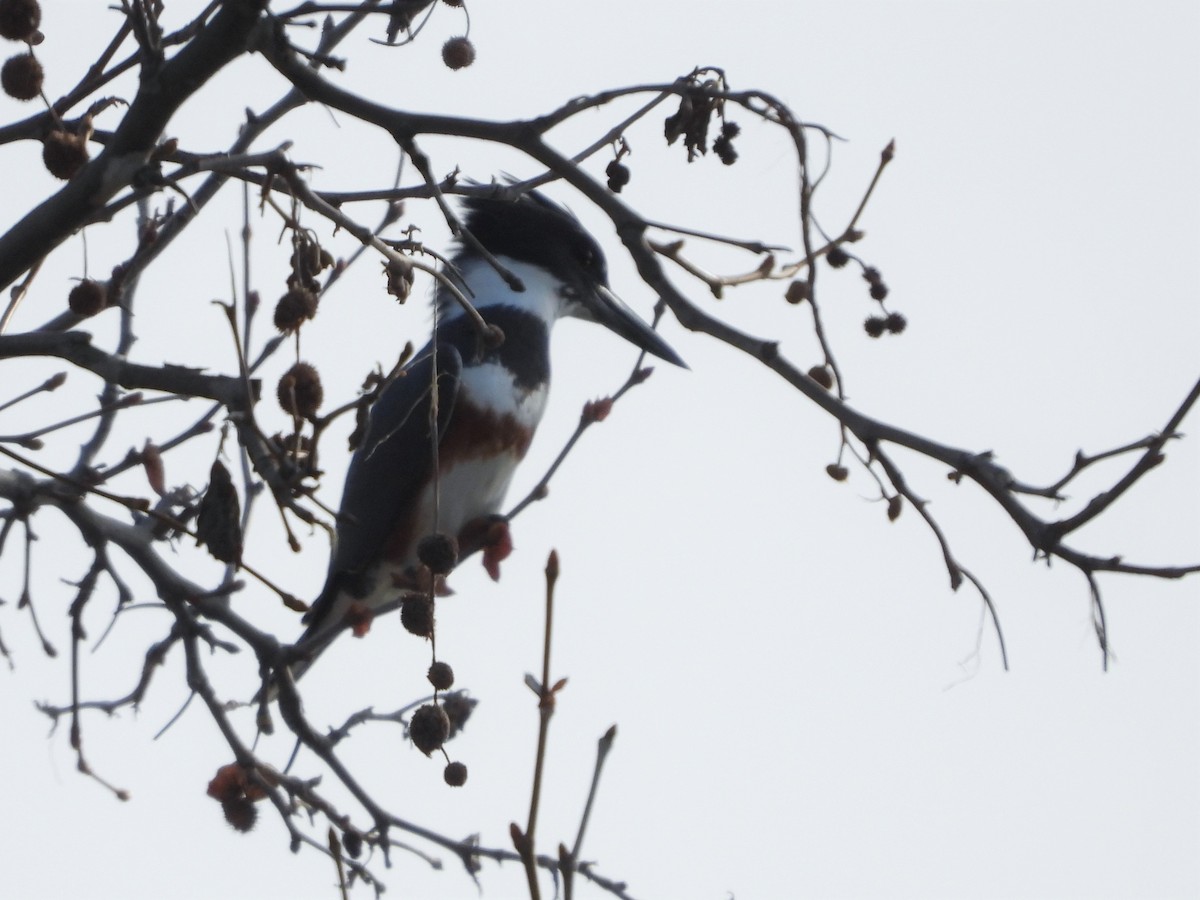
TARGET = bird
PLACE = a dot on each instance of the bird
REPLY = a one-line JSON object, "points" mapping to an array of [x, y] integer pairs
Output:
{"points": [[405, 482]]}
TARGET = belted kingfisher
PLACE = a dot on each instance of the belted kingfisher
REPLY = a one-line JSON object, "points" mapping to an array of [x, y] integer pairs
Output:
{"points": [[490, 399]]}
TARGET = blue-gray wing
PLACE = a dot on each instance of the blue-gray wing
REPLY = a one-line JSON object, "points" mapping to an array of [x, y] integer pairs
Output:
{"points": [[389, 470]]}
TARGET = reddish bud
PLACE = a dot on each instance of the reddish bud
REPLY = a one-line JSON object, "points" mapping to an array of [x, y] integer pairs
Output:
{"points": [[153, 465], [597, 410]]}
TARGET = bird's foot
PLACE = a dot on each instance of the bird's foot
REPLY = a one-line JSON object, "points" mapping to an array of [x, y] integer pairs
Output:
{"points": [[490, 534], [497, 549]]}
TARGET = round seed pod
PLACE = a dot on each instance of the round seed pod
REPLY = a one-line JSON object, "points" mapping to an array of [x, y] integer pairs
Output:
{"points": [[429, 728], [64, 154], [87, 298], [300, 392], [458, 53], [22, 76], [19, 19], [441, 676], [295, 308]]}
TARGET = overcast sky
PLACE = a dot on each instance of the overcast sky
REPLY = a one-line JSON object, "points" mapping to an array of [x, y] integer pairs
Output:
{"points": [[804, 707]]}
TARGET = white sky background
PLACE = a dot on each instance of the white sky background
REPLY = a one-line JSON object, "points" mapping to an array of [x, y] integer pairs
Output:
{"points": [[801, 711]]}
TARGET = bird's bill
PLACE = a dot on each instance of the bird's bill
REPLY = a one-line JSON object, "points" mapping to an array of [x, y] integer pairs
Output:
{"points": [[610, 311]]}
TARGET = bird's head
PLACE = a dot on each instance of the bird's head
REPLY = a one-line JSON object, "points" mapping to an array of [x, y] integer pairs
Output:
{"points": [[561, 265]]}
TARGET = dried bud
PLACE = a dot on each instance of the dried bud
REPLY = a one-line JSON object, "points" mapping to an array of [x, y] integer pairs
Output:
{"points": [[297, 447], [439, 552], [691, 121], [874, 326], [416, 615], [879, 291], [837, 257], [455, 774], [19, 19], [22, 77], [312, 257], [441, 676], [219, 520], [300, 392], [295, 308], [895, 323], [353, 843], [723, 147], [597, 410], [895, 504], [64, 154], [822, 376], [87, 298], [399, 277], [429, 728], [836, 472], [458, 707], [798, 291], [458, 53], [673, 127], [618, 176]]}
